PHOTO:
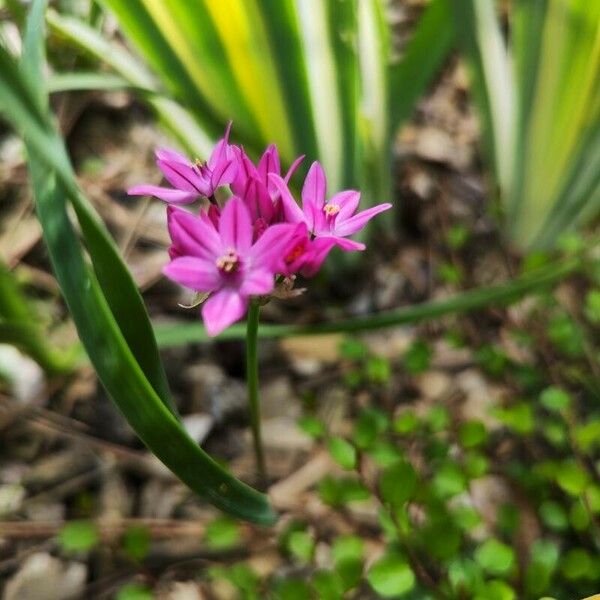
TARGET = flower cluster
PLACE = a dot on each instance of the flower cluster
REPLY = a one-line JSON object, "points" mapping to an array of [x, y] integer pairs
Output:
{"points": [[259, 236]]}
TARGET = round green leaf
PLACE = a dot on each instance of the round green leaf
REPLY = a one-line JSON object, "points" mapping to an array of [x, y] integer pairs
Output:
{"points": [[78, 536], [472, 434], [301, 545], [391, 576], [555, 399], [495, 557], [398, 483], [571, 477], [222, 533], [343, 452]]}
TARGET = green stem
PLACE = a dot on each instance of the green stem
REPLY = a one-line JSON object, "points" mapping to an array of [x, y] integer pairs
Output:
{"points": [[252, 383]]}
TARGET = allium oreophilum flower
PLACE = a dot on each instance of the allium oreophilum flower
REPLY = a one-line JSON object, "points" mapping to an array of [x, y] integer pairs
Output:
{"points": [[259, 237]]}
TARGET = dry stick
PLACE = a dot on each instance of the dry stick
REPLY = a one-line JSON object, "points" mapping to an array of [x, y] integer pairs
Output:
{"points": [[131, 235], [137, 461], [108, 529]]}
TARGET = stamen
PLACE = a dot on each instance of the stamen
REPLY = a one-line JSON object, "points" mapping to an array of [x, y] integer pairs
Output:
{"points": [[229, 262], [331, 209]]}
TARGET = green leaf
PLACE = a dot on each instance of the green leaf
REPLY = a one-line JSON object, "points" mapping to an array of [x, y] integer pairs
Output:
{"points": [[553, 515], [566, 335], [384, 453], [576, 564], [378, 369], [78, 536], [347, 552], [391, 576], [301, 545], [347, 547], [441, 539], [537, 99], [495, 590], [464, 574], [430, 44], [328, 585], [134, 591], [472, 434], [537, 281], [369, 426], [495, 557], [136, 543], [587, 435], [343, 452], [222, 534], [571, 477], [312, 426], [457, 236], [578, 516], [417, 357], [476, 465], [70, 82], [449, 480], [592, 306], [353, 349], [398, 483], [406, 422], [544, 559], [519, 417], [555, 399], [292, 589], [337, 492]]}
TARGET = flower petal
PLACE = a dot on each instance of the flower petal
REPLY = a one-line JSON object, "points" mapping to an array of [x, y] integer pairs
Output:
{"points": [[235, 225], [220, 151], [346, 244], [224, 172], [273, 190], [166, 194], [269, 163], [257, 282], [245, 170], [269, 251], [222, 309], [192, 235], [358, 221], [183, 177], [291, 211], [257, 199], [313, 197], [317, 252], [348, 201], [194, 273], [171, 155], [293, 168]]}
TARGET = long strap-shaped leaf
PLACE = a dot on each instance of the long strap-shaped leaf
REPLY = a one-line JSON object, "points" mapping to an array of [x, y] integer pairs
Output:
{"points": [[180, 334], [107, 310], [119, 371]]}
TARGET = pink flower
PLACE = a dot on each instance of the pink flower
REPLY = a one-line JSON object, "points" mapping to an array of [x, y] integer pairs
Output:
{"points": [[304, 255], [223, 260], [252, 184], [191, 180], [333, 220]]}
